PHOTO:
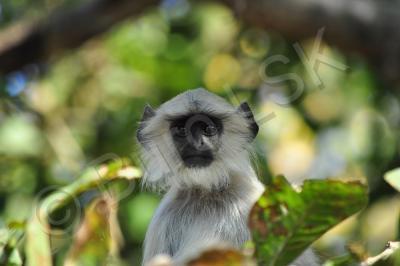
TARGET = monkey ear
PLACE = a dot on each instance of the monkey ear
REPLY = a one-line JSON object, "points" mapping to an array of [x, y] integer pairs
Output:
{"points": [[147, 114], [245, 110]]}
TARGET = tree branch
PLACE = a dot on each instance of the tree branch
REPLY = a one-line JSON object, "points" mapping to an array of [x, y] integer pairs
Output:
{"points": [[365, 27], [368, 28], [26, 44]]}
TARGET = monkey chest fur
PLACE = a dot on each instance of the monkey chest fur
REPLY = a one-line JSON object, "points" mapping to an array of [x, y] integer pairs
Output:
{"points": [[196, 219]]}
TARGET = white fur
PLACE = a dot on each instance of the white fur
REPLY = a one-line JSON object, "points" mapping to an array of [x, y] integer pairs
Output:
{"points": [[204, 206], [164, 167]]}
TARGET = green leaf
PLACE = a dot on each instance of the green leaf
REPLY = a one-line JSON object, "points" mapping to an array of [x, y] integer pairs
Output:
{"points": [[15, 258], [92, 178], [37, 246], [285, 222], [344, 260], [98, 238], [10, 238], [393, 178]]}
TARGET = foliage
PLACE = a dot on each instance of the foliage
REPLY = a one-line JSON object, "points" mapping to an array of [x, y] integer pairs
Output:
{"points": [[59, 119], [222, 257], [393, 178], [284, 222], [98, 233]]}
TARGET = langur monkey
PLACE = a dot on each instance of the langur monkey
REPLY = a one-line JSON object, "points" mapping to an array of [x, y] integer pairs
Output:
{"points": [[196, 147]]}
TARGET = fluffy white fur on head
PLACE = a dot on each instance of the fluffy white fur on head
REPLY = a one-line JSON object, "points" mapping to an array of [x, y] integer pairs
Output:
{"points": [[163, 165]]}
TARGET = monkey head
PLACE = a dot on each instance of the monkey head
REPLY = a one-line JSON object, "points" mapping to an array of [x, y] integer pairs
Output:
{"points": [[196, 139]]}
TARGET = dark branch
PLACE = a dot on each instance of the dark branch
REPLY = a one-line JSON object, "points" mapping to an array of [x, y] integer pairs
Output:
{"points": [[63, 30], [368, 28]]}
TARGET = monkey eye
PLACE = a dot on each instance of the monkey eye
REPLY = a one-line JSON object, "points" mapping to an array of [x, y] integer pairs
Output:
{"points": [[180, 131], [210, 130]]}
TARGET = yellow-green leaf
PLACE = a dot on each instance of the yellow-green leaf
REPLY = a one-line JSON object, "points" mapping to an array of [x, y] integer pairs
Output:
{"points": [[98, 237], [393, 178], [38, 252]]}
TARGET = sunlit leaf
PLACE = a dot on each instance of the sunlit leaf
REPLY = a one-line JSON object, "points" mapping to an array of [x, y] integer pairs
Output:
{"points": [[101, 214], [19, 136], [10, 257], [393, 178], [15, 258], [15, 225], [37, 247], [10, 239], [92, 178], [221, 257], [285, 222], [222, 72], [98, 238]]}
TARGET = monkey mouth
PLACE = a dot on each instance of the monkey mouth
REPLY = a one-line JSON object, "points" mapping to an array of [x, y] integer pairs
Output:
{"points": [[198, 160]]}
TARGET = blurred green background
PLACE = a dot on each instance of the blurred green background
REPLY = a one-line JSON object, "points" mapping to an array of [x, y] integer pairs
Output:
{"points": [[58, 118]]}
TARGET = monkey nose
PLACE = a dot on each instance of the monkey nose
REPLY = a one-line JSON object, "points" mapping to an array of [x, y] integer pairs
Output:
{"points": [[200, 144], [197, 140]]}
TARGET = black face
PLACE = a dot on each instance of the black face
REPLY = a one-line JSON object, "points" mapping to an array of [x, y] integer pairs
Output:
{"points": [[196, 137]]}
